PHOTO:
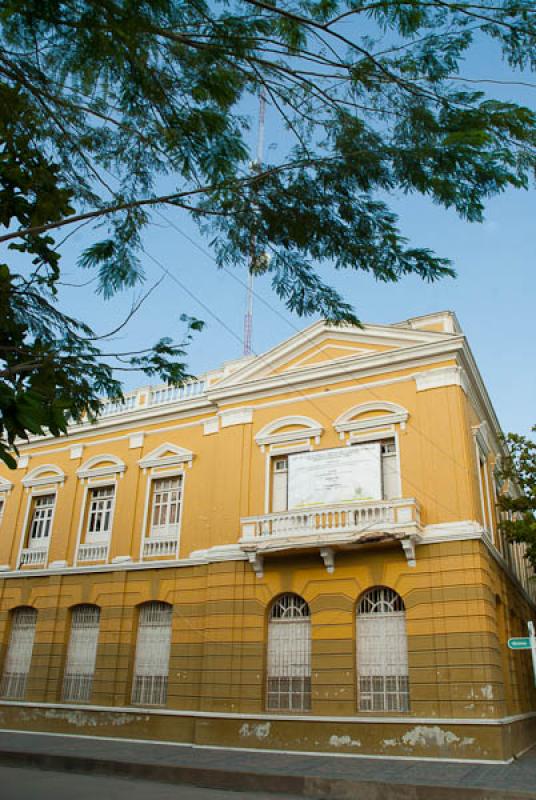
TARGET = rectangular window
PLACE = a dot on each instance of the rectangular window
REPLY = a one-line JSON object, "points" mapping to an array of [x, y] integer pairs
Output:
{"points": [[19, 653], [82, 654], [280, 483], [99, 519], [165, 512], [41, 522], [390, 477]]}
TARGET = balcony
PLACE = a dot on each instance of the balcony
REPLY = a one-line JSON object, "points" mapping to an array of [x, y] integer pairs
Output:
{"points": [[330, 526], [34, 557], [93, 551], [161, 546]]}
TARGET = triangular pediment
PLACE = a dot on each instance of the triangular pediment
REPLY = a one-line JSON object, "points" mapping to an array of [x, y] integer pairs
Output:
{"points": [[323, 345], [166, 454]]}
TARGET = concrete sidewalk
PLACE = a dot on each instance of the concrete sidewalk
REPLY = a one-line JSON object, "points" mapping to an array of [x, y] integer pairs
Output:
{"points": [[333, 777]]}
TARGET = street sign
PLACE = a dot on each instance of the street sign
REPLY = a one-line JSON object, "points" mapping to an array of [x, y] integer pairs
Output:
{"points": [[520, 643]]}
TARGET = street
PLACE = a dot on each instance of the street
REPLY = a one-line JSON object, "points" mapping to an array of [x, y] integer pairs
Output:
{"points": [[27, 784]]}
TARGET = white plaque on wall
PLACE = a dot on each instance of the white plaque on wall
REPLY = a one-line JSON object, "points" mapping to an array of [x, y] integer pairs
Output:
{"points": [[341, 475]]}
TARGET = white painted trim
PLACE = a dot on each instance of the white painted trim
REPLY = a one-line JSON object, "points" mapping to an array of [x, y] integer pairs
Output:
{"points": [[245, 750], [5, 485], [443, 376], [211, 425], [395, 718], [311, 429], [83, 508], [157, 458], [83, 515], [152, 476], [34, 478], [235, 416], [90, 469]]}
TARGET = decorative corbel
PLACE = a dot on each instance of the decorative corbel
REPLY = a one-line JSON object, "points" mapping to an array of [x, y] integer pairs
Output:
{"points": [[327, 554], [257, 562], [408, 546]]}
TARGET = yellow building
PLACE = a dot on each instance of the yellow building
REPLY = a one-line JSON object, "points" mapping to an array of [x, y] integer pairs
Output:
{"points": [[298, 551]]}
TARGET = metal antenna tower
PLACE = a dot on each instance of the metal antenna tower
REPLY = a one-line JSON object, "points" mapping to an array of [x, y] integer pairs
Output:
{"points": [[248, 318]]}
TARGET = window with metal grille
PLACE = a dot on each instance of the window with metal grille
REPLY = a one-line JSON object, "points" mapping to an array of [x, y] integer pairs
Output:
{"points": [[289, 655], [382, 652], [153, 646], [19, 653], [41, 522], [165, 513], [100, 511], [81, 653]]}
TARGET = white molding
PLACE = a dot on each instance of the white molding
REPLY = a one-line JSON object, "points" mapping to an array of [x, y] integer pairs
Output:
{"points": [[76, 451], [135, 440], [316, 334], [34, 478], [5, 485], [111, 465], [211, 425], [177, 456], [152, 476], [236, 416], [268, 435], [349, 421], [23, 461], [442, 376]]}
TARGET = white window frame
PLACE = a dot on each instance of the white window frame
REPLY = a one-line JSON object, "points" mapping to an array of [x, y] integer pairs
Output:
{"points": [[156, 474], [150, 688], [388, 682], [93, 513], [84, 516], [24, 543], [81, 656], [169, 529], [13, 683], [39, 521], [5, 490], [291, 683]]}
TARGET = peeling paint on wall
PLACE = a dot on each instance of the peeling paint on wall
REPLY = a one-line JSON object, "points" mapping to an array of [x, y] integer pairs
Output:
{"points": [[487, 691], [343, 741], [425, 736], [260, 731]]}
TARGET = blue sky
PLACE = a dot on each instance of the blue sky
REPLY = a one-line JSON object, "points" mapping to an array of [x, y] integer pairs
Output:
{"points": [[493, 296]]}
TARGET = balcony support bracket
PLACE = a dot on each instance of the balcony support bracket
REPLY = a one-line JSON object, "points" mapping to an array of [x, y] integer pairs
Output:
{"points": [[257, 562], [327, 554], [408, 546]]}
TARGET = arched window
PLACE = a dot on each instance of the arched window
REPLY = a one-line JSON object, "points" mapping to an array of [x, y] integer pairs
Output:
{"points": [[289, 655], [382, 652], [81, 654], [19, 652], [153, 646]]}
